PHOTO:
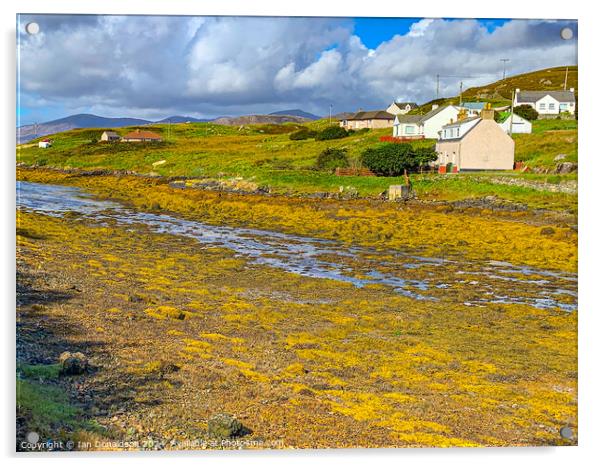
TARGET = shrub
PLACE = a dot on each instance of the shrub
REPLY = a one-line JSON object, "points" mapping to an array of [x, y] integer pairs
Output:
{"points": [[332, 132], [331, 159], [303, 133], [392, 159], [527, 112]]}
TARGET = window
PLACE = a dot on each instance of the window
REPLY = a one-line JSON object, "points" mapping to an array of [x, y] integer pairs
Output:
{"points": [[563, 107], [458, 132], [409, 129], [552, 106], [542, 106]]}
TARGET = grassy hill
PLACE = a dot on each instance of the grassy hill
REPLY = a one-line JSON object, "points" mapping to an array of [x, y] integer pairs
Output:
{"points": [[500, 92]]}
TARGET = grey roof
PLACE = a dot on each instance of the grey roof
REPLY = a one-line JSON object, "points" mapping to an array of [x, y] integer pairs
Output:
{"points": [[534, 96], [473, 105], [111, 133], [372, 115], [461, 122], [464, 135], [419, 119], [403, 104]]}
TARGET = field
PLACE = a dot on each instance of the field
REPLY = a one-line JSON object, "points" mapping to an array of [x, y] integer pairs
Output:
{"points": [[264, 157]]}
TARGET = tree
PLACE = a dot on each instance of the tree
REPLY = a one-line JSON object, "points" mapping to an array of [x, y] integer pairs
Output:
{"points": [[527, 112], [330, 159], [392, 159], [303, 133], [332, 132]]}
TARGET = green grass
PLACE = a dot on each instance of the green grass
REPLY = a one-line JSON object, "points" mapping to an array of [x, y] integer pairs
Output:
{"points": [[265, 156], [42, 371]]}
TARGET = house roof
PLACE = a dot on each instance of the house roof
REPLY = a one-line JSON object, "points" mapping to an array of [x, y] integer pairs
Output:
{"points": [[138, 134], [111, 133], [420, 119], [466, 133], [534, 96], [505, 116], [404, 104], [461, 122], [372, 115], [473, 105]]}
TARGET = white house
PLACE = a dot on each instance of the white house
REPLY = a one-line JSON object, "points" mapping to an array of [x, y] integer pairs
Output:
{"points": [[519, 124], [424, 126], [109, 136], [475, 143], [45, 144], [401, 108], [547, 102]]}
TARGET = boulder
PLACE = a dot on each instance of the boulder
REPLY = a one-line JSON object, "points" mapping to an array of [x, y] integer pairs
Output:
{"points": [[559, 157], [547, 231], [73, 363], [224, 426], [566, 167]]}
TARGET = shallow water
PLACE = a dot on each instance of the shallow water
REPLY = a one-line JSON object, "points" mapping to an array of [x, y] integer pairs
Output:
{"points": [[411, 275]]}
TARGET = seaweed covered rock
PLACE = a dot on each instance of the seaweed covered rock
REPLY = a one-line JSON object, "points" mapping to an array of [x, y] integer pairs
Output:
{"points": [[223, 425], [73, 363]]}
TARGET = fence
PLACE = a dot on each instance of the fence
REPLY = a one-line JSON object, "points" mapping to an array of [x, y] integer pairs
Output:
{"points": [[401, 139], [353, 172]]}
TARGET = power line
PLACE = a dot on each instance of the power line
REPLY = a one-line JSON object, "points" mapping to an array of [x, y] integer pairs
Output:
{"points": [[504, 61]]}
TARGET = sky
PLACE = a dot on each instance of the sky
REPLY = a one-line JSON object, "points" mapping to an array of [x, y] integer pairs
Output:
{"points": [[157, 66]]}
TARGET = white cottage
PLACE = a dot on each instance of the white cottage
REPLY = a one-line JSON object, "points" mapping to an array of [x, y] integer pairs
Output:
{"points": [[424, 126], [519, 124], [401, 108], [547, 102]]}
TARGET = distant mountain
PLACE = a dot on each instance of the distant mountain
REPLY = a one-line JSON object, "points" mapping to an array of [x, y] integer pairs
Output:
{"points": [[297, 112], [83, 120], [183, 119], [259, 119]]}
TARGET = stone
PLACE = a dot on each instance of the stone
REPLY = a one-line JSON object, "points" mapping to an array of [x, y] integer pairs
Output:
{"points": [[566, 167], [559, 157], [547, 231], [224, 426], [73, 363]]}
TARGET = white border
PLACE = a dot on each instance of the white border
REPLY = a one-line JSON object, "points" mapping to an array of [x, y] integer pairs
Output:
{"points": [[590, 169]]}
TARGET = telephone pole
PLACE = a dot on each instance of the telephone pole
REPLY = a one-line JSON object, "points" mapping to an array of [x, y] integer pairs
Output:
{"points": [[504, 61], [330, 114], [566, 76]]}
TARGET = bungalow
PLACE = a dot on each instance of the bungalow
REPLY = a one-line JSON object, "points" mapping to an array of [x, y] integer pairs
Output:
{"points": [[519, 124], [371, 119], [473, 108], [401, 108], [424, 126], [547, 102], [45, 144], [109, 136], [475, 143], [141, 136]]}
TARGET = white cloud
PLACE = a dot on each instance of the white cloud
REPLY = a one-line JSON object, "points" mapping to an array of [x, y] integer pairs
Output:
{"points": [[143, 66]]}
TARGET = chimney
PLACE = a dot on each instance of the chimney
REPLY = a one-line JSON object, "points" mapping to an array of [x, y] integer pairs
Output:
{"points": [[435, 107], [462, 114], [487, 113], [572, 89]]}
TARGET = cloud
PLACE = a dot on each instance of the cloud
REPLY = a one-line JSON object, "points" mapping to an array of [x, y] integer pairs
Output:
{"points": [[151, 66]]}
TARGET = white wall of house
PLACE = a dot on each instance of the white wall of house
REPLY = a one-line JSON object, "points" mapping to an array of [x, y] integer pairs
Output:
{"points": [[548, 105], [519, 125], [395, 110], [406, 129], [433, 125]]}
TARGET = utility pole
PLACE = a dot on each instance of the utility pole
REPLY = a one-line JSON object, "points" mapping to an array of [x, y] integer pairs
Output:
{"points": [[437, 86], [504, 61], [512, 113], [566, 77], [461, 86], [330, 115]]}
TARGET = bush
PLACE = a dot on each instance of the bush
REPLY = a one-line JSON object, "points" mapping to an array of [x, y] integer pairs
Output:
{"points": [[527, 112], [332, 132], [331, 159], [303, 133], [393, 159]]}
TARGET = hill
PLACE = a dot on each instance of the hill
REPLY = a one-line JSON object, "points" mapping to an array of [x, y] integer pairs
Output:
{"points": [[183, 119], [82, 120], [259, 119], [500, 92], [297, 112]]}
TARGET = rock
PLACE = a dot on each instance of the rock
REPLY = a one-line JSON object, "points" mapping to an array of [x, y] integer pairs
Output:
{"points": [[559, 157], [223, 425], [73, 363], [547, 231], [566, 167]]}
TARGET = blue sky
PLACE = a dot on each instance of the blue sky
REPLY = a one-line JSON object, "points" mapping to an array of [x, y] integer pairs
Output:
{"points": [[153, 67]]}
